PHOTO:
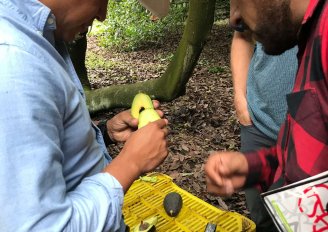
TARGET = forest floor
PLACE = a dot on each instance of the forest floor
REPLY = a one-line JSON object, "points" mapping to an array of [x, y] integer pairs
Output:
{"points": [[201, 121]]}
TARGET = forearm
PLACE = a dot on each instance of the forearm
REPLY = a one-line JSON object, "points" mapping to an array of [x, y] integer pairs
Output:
{"points": [[127, 177], [242, 49], [241, 54], [145, 150]]}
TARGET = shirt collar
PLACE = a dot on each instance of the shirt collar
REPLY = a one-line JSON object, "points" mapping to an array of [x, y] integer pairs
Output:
{"points": [[37, 15], [310, 10], [49, 28]]}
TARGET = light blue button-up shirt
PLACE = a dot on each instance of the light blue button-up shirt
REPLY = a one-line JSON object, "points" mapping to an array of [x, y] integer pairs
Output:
{"points": [[50, 159]]}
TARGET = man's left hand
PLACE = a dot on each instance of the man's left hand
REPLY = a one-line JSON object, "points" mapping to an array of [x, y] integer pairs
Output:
{"points": [[121, 126]]}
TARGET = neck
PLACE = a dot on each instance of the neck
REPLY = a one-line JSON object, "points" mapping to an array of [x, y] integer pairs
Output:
{"points": [[48, 3], [57, 7], [298, 7]]}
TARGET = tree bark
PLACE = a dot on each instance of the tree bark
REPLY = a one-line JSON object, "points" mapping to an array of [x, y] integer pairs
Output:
{"points": [[172, 83], [77, 51]]}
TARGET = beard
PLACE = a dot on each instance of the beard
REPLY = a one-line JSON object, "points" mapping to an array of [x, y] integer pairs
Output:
{"points": [[276, 31]]}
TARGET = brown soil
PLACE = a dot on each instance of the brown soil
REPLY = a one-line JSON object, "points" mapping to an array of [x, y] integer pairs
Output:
{"points": [[201, 121]]}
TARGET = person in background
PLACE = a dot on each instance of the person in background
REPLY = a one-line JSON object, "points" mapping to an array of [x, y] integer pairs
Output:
{"points": [[55, 172], [261, 83], [302, 145]]}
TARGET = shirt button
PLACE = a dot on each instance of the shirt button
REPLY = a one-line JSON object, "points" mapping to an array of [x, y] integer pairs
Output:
{"points": [[50, 21]]}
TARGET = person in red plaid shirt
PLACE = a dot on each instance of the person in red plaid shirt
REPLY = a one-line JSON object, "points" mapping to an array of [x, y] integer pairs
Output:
{"points": [[302, 146]]}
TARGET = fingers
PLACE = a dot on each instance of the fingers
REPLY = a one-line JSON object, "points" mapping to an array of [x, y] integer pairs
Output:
{"points": [[160, 113], [133, 122], [127, 118], [161, 123], [212, 171], [225, 189], [156, 104], [225, 173], [245, 119], [147, 147], [216, 181]]}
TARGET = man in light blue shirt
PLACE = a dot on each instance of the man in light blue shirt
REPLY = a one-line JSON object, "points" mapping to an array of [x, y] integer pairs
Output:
{"points": [[55, 172]]}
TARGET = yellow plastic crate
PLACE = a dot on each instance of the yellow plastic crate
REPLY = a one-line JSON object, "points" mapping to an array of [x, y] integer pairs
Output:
{"points": [[145, 199]]}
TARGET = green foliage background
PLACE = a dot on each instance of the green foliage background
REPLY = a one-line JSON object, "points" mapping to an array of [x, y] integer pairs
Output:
{"points": [[128, 25]]}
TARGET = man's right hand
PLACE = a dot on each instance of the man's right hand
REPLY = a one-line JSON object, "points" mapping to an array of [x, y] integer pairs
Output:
{"points": [[145, 149], [226, 172], [242, 110]]}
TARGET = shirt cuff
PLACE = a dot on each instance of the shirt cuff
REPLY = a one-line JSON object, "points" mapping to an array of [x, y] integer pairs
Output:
{"points": [[111, 181], [254, 169]]}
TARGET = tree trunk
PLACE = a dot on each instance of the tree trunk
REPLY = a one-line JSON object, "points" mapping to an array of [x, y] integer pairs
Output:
{"points": [[77, 51], [172, 83]]}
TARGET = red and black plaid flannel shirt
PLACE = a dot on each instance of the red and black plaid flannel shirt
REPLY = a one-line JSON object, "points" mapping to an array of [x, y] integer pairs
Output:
{"points": [[302, 145]]}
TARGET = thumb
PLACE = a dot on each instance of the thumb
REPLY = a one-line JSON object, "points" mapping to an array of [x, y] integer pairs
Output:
{"points": [[238, 164], [162, 123], [229, 187], [132, 122]]}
